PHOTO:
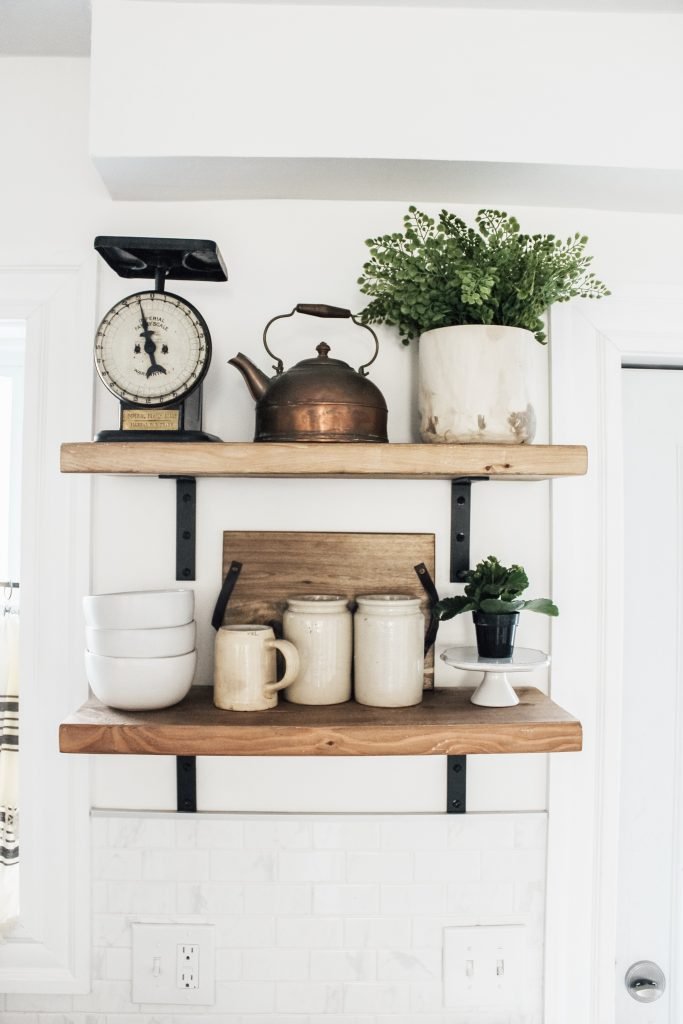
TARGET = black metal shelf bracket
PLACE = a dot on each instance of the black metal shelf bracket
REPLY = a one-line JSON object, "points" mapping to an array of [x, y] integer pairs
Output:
{"points": [[186, 528], [186, 784], [456, 784], [461, 503]]}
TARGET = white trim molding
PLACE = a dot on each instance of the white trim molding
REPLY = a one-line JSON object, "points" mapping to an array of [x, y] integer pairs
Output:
{"points": [[590, 342], [49, 950]]}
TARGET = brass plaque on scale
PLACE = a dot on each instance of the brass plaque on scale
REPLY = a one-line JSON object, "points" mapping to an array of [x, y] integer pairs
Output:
{"points": [[150, 419]]}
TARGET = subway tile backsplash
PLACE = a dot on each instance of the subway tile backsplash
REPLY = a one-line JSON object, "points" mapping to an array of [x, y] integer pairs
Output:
{"points": [[319, 918]]}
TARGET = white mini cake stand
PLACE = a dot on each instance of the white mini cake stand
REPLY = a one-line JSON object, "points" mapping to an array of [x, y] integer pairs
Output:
{"points": [[495, 691]]}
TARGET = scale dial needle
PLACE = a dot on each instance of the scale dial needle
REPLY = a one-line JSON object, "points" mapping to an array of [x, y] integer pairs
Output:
{"points": [[150, 346]]}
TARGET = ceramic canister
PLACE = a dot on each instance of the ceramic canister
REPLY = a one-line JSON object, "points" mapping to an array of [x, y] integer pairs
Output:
{"points": [[388, 650], [320, 627]]}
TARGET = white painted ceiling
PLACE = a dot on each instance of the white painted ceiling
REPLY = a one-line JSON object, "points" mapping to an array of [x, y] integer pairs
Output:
{"points": [[61, 28]]}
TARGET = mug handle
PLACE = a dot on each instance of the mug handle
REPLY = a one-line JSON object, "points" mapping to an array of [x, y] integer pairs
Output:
{"points": [[292, 664]]}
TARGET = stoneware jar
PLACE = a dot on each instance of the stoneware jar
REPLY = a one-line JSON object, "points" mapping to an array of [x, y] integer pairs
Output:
{"points": [[320, 627], [388, 651], [244, 674]]}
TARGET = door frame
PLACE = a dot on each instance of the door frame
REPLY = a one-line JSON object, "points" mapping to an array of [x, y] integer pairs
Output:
{"points": [[49, 950], [590, 342]]}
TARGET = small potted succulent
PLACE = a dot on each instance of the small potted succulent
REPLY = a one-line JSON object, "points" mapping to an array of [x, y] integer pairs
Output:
{"points": [[493, 596], [475, 297]]}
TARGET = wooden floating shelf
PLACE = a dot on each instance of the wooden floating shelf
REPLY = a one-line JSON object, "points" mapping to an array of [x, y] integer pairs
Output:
{"points": [[444, 723], [387, 461]]}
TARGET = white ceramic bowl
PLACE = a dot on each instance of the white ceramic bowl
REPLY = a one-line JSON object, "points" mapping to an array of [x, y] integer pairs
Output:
{"points": [[142, 643], [137, 684], [139, 609]]}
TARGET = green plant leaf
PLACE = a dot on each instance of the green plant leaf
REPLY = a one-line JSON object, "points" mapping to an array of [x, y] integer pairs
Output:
{"points": [[492, 606], [452, 606], [541, 604]]}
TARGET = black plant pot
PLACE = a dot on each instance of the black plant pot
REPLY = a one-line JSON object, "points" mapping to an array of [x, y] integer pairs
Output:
{"points": [[495, 633]]}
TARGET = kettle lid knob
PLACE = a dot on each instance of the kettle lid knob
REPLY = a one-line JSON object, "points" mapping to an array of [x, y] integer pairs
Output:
{"points": [[322, 349]]}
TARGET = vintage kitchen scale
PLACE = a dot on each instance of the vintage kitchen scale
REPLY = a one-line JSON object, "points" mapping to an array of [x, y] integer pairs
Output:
{"points": [[153, 348]]}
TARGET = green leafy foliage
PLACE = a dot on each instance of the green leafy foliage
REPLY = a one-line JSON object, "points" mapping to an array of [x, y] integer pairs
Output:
{"points": [[442, 273], [493, 588]]}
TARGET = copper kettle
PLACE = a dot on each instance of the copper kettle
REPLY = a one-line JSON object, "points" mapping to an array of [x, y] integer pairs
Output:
{"points": [[318, 399]]}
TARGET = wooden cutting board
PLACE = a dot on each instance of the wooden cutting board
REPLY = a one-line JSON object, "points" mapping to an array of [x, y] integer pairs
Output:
{"points": [[278, 565]]}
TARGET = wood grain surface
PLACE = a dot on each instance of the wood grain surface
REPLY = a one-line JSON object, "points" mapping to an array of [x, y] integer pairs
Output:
{"points": [[390, 461], [444, 723], [278, 565]]}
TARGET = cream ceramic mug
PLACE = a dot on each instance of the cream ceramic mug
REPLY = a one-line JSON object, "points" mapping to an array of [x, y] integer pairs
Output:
{"points": [[244, 673]]}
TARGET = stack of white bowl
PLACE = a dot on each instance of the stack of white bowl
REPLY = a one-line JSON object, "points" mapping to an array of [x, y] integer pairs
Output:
{"points": [[140, 647]]}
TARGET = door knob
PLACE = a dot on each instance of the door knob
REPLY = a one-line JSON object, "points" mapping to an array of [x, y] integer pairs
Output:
{"points": [[645, 981]]}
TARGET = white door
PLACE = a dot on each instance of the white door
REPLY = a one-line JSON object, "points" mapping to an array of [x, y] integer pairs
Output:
{"points": [[649, 909]]}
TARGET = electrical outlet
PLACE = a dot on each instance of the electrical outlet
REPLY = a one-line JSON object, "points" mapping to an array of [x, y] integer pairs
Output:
{"points": [[174, 963], [187, 965], [484, 968]]}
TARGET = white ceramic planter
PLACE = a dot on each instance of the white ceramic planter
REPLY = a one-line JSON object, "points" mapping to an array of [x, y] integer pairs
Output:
{"points": [[474, 385]]}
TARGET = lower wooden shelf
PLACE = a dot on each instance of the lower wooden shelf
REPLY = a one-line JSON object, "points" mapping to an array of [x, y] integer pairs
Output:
{"points": [[444, 723]]}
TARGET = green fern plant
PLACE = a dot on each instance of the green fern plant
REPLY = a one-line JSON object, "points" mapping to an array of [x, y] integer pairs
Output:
{"points": [[438, 273]]}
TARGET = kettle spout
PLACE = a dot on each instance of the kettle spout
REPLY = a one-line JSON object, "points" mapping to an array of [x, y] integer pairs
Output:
{"points": [[255, 379]]}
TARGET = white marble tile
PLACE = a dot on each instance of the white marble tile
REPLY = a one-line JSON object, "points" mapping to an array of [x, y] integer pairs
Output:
{"points": [[343, 965], [481, 831], [276, 964], [178, 865], [219, 833], [377, 932], [245, 997], [185, 833], [381, 997], [427, 997], [346, 899], [146, 897], [106, 997], [229, 964], [229, 865], [449, 866], [277, 899], [311, 866], [138, 832], [295, 834], [409, 964], [354, 834], [210, 898], [386, 866], [419, 898], [513, 865], [309, 997], [35, 1003], [111, 930], [118, 964], [414, 832], [310, 932], [480, 899], [531, 831], [245, 932], [112, 865]]}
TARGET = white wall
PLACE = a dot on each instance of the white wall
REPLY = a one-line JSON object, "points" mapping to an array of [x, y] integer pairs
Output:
{"points": [[277, 253]]}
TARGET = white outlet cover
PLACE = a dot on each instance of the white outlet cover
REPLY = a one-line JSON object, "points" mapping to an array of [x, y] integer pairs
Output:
{"points": [[155, 964], [484, 968]]}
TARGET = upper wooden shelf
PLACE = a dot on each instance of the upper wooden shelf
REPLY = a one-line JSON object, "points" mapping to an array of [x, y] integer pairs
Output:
{"points": [[389, 461], [444, 723]]}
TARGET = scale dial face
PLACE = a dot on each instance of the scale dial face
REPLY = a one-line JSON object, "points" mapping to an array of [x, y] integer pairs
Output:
{"points": [[152, 349]]}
